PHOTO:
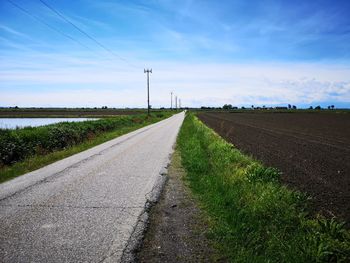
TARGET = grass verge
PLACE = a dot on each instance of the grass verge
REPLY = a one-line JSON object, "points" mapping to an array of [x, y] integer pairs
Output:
{"points": [[37, 161], [253, 217]]}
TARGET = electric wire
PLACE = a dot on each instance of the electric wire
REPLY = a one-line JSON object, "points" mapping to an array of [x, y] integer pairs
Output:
{"points": [[48, 25], [85, 33]]}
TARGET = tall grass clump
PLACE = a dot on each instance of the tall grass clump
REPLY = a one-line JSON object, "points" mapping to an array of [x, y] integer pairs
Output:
{"points": [[17, 145], [253, 218]]}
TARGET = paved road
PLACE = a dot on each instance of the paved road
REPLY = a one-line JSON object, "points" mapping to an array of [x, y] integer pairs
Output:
{"points": [[85, 208]]}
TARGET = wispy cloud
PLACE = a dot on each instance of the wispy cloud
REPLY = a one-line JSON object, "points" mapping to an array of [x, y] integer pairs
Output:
{"points": [[208, 52], [12, 31], [196, 83]]}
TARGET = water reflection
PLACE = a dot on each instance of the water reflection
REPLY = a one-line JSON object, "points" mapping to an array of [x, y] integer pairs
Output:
{"points": [[13, 123]]}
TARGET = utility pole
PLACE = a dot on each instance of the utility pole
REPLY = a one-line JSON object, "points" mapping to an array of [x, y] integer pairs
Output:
{"points": [[171, 100], [180, 104], [176, 102], [147, 71]]}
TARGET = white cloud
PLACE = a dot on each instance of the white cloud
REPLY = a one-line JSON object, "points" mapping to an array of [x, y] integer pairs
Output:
{"points": [[73, 98], [79, 81]]}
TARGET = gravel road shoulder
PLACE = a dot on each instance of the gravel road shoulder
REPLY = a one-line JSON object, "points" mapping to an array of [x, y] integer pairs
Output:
{"points": [[177, 228]]}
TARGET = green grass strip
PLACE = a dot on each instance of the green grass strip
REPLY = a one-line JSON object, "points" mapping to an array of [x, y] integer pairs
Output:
{"points": [[253, 217], [37, 161]]}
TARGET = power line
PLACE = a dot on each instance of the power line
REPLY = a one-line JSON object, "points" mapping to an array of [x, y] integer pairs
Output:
{"points": [[48, 25], [83, 32]]}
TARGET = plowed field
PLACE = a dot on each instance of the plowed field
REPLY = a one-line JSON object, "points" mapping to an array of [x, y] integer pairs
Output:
{"points": [[312, 150]]}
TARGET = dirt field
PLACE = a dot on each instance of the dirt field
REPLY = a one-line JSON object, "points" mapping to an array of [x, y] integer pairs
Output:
{"points": [[311, 149]]}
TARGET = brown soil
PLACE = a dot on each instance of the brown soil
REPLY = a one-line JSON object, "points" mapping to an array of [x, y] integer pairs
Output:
{"points": [[177, 229], [311, 149]]}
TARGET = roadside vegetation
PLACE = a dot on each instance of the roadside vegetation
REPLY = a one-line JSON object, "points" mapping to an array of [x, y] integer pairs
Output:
{"points": [[27, 149], [254, 218]]}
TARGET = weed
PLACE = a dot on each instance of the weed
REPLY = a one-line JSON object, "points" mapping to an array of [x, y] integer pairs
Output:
{"points": [[254, 218], [258, 173]]}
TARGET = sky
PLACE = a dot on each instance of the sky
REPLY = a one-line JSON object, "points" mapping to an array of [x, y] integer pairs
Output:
{"points": [[208, 53]]}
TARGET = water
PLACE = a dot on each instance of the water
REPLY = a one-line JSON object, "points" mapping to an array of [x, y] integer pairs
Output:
{"points": [[13, 123]]}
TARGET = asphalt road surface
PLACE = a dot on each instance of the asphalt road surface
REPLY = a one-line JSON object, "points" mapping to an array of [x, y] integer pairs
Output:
{"points": [[85, 208]]}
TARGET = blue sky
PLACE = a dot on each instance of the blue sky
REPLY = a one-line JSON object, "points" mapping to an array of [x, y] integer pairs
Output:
{"points": [[206, 52]]}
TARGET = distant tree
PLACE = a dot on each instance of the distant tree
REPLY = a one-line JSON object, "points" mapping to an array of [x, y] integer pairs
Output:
{"points": [[227, 107], [311, 108], [289, 106], [16, 107], [243, 108], [332, 106], [252, 106], [318, 107], [329, 107], [294, 107]]}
